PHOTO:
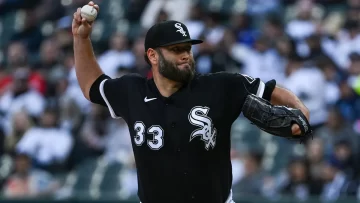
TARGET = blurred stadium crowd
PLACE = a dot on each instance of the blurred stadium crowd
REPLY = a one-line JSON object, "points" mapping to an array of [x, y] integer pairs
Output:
{"points": [[54, 143]]}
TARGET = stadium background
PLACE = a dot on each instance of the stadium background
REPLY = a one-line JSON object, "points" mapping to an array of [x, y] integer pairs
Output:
{"points": [[55, 145]]}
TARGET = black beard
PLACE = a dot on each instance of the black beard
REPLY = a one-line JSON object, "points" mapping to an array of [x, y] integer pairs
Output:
{"points": [[169, 70]]}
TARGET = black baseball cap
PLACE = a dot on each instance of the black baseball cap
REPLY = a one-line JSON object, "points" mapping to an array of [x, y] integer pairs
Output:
{"points": [[167, 33]]}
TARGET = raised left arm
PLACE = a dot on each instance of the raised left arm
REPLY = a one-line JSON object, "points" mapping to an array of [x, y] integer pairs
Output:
{"points": [[283, 97]]}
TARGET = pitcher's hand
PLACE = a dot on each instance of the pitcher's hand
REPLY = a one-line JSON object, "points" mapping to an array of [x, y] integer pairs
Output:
{"points": [[80, 26], [296, 128]]}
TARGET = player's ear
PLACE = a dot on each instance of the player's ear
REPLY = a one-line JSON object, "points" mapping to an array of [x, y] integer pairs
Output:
{"points": [[152, 56]]}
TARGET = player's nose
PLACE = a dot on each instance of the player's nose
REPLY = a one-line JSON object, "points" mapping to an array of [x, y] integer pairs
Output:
{"points": [[185, 56]]}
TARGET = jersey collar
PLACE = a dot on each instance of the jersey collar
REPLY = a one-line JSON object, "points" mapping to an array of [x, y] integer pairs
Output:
{"points": [[187, 88]]}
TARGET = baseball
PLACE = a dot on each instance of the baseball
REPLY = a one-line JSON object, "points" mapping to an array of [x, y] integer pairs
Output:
{"points": [[89, 13]]}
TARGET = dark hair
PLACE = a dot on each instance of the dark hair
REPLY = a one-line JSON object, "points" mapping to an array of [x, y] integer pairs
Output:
{"points": [[275, 21], [351, 24], [303, 161], [323, 61], [256, 155], [342, 142], [295, 57]]}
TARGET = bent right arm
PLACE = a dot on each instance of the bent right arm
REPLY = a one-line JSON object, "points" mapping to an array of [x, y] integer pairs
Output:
{"points": [[86, 66], [97, 87], [92, 79]]}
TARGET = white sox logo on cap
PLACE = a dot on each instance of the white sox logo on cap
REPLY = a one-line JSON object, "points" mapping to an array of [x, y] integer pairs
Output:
{"points": [[180, 29]]}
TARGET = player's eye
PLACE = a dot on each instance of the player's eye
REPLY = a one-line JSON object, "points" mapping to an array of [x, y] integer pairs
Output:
{"points": [[181, 49]]}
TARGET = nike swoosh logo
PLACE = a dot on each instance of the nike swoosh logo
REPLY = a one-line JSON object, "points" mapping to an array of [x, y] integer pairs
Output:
{"points": [[150, 99]]}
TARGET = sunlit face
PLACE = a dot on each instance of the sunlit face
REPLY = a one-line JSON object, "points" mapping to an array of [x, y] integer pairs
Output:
{"points": [[176, 62]]}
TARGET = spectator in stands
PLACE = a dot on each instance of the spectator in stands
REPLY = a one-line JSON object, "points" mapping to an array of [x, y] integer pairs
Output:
{"points": [[263, 62], [298, 182], [335, 180], [260, 8], [312, 93], [304, 19], [285, 47], [238, 169], [47, 144], [338, 129], [72, 87], [94, 131], [195, 21], [314, 46], [211, 60], [118, 146], [205, 60], [348, 41], [19, 57], [223, 55], [315, 157], [50, 54], [140, 65], [16, 56], [27, 182], [343, 152], [242, 26], [21, 97], [118, 54], [20, 123], [252, 180], [348, 102], [214, 30], [62, 33], [354, 68], [353, 10], [162, 16], [329, 69], [273, 29], [70, 114]]}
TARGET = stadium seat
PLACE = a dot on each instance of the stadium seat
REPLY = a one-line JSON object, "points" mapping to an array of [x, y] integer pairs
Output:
{"points": [[7, 27], [110, 184], [84, 173], [283, 150], [244, 133]]}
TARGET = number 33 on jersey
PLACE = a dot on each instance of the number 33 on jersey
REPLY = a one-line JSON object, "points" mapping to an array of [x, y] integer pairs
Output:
{"points": [[155, 130], [197, 116]]}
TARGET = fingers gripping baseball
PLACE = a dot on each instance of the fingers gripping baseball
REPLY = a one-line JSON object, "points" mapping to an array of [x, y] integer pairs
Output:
{"points": [[81, 26]]}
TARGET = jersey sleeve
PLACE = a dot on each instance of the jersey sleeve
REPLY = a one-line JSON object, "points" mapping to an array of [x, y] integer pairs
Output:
{"points": [[239, 86], [112, 93], [242, 85]]}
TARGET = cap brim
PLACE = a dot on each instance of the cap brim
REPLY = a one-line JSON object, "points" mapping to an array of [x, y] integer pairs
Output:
{"points": [[192, 41]]}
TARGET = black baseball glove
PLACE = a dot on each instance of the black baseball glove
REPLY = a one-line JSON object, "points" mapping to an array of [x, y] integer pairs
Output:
{"points": [[276, 120]]}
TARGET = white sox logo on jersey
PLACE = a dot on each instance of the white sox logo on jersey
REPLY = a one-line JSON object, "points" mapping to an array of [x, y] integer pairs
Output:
{"points": [[180, 29], [207, 132]]}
